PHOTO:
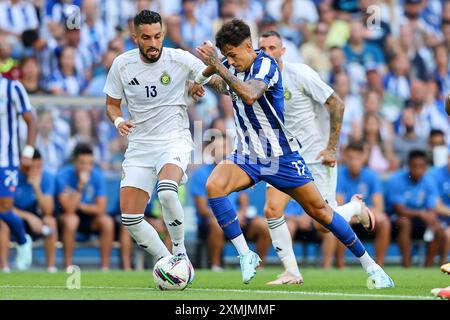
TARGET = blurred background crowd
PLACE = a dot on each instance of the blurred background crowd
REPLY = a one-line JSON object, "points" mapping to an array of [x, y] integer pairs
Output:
{"points": [[388, 60]]}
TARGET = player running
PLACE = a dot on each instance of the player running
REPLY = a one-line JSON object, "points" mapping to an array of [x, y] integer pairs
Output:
{"points": [[14, 102], [306, 101], [264, 148], [153, 81]]}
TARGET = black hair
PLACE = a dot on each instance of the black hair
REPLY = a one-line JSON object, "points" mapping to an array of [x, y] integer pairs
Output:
{"points": [[270, 33], [147, 17], [413, 154], [82, 149], [434, 132], [355, 146], [232, 33], [37, 155], [29, 38]]}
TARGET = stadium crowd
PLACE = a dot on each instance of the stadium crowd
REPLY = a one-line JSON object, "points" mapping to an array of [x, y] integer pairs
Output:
{"points": [[388, 60]]}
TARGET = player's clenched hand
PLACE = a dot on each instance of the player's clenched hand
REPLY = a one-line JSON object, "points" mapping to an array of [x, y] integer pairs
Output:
{"points": [[328, 157], [196, 91], [25, 162], [125, 128], [208, 54]]}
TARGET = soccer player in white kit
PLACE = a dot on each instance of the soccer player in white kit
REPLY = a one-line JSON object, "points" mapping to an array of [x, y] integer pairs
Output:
{"points": [[309, 102], [153, 81]]}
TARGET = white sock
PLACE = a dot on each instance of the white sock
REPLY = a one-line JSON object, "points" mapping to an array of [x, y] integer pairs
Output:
{"points": [[282, 243], [240, 244], [173, 213], [144, 235], [350, 209], [366, 261]]}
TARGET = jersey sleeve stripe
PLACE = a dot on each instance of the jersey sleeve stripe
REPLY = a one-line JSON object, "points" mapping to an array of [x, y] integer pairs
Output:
{"points": [[263, 68]]}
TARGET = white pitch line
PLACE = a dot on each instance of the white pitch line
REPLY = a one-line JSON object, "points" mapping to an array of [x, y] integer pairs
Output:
{"points": [[306, 293]]}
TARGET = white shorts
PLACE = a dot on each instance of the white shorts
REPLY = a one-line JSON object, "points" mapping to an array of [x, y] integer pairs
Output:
{"points": [[325, 178], [141, 167]]}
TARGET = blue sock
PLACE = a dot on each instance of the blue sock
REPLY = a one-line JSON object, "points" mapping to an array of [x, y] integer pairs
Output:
{"points": [[226, 216], [15, 224], [342, 230]]}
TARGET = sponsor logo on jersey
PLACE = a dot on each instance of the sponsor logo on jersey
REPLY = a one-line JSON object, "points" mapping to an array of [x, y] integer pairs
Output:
{"points": [[133, 82], [287, 95], [165, 78]]}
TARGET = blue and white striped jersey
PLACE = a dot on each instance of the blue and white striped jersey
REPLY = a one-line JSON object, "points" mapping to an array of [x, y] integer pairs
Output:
{"points": [[13, 103], [260, 127]]}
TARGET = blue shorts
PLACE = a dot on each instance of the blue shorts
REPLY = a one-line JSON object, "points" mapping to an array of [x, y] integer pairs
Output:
{"points": [[289, 171], [9, 179]]}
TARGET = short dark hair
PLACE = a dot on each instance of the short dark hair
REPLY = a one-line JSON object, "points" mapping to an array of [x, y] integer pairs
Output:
{"points": [[82, 149], [417, 153], [232, 33], [147, 17], [435, 132], [270, 33], [355, 146], [29, 38], [37, 155]]}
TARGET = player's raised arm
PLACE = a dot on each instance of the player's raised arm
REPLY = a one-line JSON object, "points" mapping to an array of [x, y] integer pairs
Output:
{"points": [[249, 91]]}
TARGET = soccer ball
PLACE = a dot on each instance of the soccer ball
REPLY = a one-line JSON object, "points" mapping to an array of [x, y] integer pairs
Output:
{"points": [[171, 273]]}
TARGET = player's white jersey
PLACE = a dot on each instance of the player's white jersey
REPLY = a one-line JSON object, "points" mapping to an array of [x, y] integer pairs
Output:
{"points": [[304, 97], [155, 93], [13, 102]]}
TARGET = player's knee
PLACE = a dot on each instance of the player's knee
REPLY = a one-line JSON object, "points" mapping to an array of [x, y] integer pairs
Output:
{"points": [[271, 211], [106, 222], [50, 221], [404, 224], [70, 222], [215, 187], [167, 196]]}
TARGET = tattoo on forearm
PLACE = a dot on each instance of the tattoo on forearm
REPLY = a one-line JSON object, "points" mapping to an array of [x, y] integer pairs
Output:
{"points": [[335, 106], [218, 84], [250, 90]]}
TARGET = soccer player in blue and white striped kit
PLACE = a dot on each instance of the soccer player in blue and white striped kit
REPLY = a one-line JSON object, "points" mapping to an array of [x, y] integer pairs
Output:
{"points": [[14, 103], [264, 149]]}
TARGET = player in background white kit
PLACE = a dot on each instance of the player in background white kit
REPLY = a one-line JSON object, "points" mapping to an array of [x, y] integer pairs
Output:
{"points": [[153, 82], [308, 100]]}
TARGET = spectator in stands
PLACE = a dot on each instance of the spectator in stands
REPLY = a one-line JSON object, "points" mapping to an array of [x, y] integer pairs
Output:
{"points": [[29, 75], [437, 148], [80, 190], [66, 80], [407, 139], [250, 10], [356, 178], [397, 80], [51, 145], [8, 66], [338, 64], [427, 115], [359, 53], [315, 53], [254, 228], [34, 203], [290, 26], [303, 10], [16, 16], [95, 86], [441, 177], [378, 145], [95, 32], [413, 208], [353, 113], [85, 130], [58, 13], [442, 71]]}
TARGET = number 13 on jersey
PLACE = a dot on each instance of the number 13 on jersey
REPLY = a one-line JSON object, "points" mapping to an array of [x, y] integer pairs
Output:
{"points": [[151, 91]]}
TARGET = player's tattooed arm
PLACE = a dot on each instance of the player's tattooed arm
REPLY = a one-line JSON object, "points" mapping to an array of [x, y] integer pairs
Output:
{"points": [[248, 91], [335, 106], [218, 84]]}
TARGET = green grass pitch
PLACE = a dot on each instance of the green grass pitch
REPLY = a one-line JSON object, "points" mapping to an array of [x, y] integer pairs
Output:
{"points": [[350, 283]]}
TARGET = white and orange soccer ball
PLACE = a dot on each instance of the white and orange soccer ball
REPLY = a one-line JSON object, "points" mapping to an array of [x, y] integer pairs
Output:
{"points": [[171, 273]]}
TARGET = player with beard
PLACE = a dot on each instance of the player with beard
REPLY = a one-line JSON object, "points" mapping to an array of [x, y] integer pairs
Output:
{"points": [[153, 80]]}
